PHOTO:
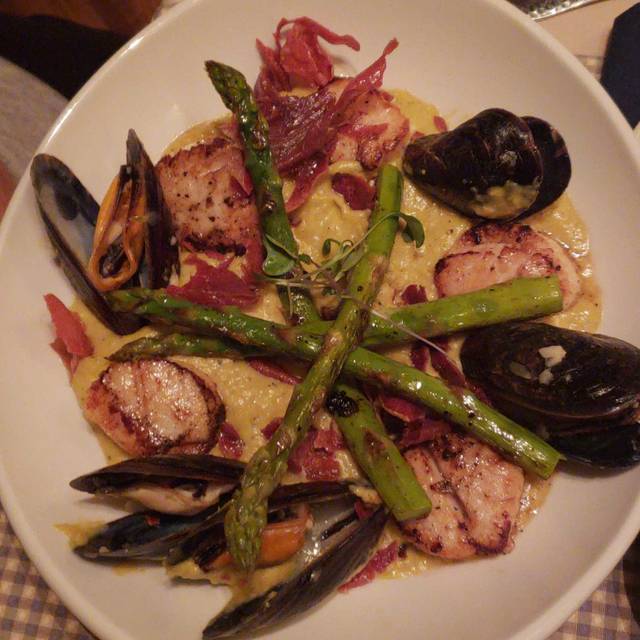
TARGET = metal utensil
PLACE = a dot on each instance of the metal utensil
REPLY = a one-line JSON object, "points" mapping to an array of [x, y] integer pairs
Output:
{"points": [[541, 9]]}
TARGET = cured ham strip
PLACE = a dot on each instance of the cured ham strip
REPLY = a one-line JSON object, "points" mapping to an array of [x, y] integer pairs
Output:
{"points": [[298, 58], [215, 286], [347, 119], [423, 430], [230, 443], [301, 55], [306, 176], [379, 562], [368, 79], [315, 458], [356, 191], [299, 127], [400, 408], [497, 252], [475, 495], [270, 369], [414, 294], [71, 343], [155, 406], [271, 428]]}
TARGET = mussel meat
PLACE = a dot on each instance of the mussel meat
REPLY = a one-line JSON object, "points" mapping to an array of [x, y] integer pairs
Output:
{"points": [[495, 165], [322, 559], [180, 483], [198, 543], [183, 494], [106, 247], [581, 391]]}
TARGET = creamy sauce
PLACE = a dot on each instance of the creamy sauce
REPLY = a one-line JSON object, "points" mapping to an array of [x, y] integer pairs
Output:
{"points": [[79, 533], [505, 201], [253, 400], [243, 587]]}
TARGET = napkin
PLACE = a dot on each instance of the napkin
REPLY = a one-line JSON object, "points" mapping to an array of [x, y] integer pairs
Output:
{"points": [[621, 68]]}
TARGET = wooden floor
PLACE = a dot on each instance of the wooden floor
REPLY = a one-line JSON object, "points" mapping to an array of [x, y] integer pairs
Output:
{"points": [[125, 17]]}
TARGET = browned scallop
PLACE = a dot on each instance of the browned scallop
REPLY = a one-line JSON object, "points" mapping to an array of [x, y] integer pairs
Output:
{"points": [[374, 127], [155, 406], [210, 196], [475, 495], [496, 252]]}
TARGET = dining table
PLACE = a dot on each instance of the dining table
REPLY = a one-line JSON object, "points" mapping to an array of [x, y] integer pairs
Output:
{"points": [[29, 609]]}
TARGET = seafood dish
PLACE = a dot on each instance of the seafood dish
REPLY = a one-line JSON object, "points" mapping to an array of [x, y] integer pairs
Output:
{"points": [[326, 338]]}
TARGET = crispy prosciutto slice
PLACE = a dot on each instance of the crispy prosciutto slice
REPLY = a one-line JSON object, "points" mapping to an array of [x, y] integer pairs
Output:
{"points": [[215, 286], [377, 564], [71, 343], [210, 196], [155, 406], [475, 495], [344, 119], [496, 252], [315, 456], [298, 60], [356, 191]]}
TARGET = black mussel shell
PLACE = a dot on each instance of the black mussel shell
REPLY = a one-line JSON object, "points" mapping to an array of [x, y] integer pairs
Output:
{"points": [[495, 165], [198, 541], [161, 247], [146, 535], [161, 469], [305, 589], [68, 212], [582, 392], [151, 535], [614, 446], [556, 163], [51, 178]]}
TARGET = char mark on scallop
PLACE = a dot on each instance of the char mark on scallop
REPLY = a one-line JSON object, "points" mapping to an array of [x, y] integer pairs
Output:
{"points": [[475, 495], [492, 253], [210, 196], [154, 407]]}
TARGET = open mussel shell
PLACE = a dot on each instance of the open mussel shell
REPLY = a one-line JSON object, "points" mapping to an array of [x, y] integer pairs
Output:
{"points": [[201, 539], [68, 213], [161, 247], [348, 547], [580, 391], [151, 535], [556, 163], [495, 165], [128, 238], [146, 535], [162, 469], [51, 178]]}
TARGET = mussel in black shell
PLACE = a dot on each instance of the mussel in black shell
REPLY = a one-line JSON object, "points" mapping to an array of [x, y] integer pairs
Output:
{"points": [[312, 525], [177, 483], [495, 165], [580, 391], [101, 248]]}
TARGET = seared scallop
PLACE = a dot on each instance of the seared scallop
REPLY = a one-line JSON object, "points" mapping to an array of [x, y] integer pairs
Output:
{"points": [[475, 495], [210, 196], [374, 127], [155, 406], [496, 252]]}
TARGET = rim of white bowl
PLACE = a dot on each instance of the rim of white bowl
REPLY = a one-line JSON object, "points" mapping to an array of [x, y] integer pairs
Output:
{"points": [[105, 627]]}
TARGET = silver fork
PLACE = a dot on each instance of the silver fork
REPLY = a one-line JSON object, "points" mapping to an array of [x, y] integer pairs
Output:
{"points": [[540, 9]]}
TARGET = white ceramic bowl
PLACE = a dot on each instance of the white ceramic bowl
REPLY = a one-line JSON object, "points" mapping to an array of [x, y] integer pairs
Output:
{"points": [[462, 55]]}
